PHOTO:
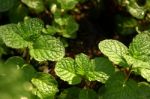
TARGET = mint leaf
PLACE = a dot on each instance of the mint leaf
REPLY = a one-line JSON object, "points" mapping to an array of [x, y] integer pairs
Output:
{"points": [[11, 37], [23, 34], [31, 29], [45, 86], [67, 26], [37, 5], [67, 4], [140, 47], [70, 93], [114, 50], [47, 48], [5, 5], [88, 94], [135, 10], [117, 87], [101, 70], [83, 64], [65, 69]]}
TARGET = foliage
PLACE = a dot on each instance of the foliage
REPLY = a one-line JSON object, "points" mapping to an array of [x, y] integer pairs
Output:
{"points": [[40, 39]]}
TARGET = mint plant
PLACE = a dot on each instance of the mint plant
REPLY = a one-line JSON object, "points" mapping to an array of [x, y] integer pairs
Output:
{"points": [[136, 57], [28, 35], [73, 71]]}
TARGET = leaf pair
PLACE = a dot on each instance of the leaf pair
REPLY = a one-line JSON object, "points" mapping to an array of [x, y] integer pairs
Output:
{"points": [[28, 34], [137, 55], [73, 71]]}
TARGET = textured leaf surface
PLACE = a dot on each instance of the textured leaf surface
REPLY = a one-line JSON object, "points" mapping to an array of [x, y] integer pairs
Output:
{"points": [[102, 69], [118, 88], [65, 69], [46, 86], [83, 64], [6, 5], [23, 34], [114, 50], [140, 47], [88, 94], [47, 48], [11, 37]]}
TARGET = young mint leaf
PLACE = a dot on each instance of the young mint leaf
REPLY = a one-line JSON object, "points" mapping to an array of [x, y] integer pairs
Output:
{"points": [[45, 85], [114, 50], [23, 34], [67, 26], [101, 70], [140, 47], [117, 87], [37, 5], [67, 4], [47, 48], [83, 64], [136, 10], [88, 94], [30, 29], [65, 69], [70, 93], [5, 5]]}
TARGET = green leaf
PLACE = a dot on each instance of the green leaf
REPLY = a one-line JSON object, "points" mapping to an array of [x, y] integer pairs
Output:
{"points": [[102, 70], [83, 64], [28, 72], [145, 73], [5, 5], [114, 50], [47, 48], [31, 29], [16, 61], [125, 25], [117, 87], [136, 63], [46, 86], [140, 47], [67, 4], [144, 90], [65, 69], [11, 37], [70, 93], [88, 94], [136, 10], [37, 5], [67, 26], [23, 34]]}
